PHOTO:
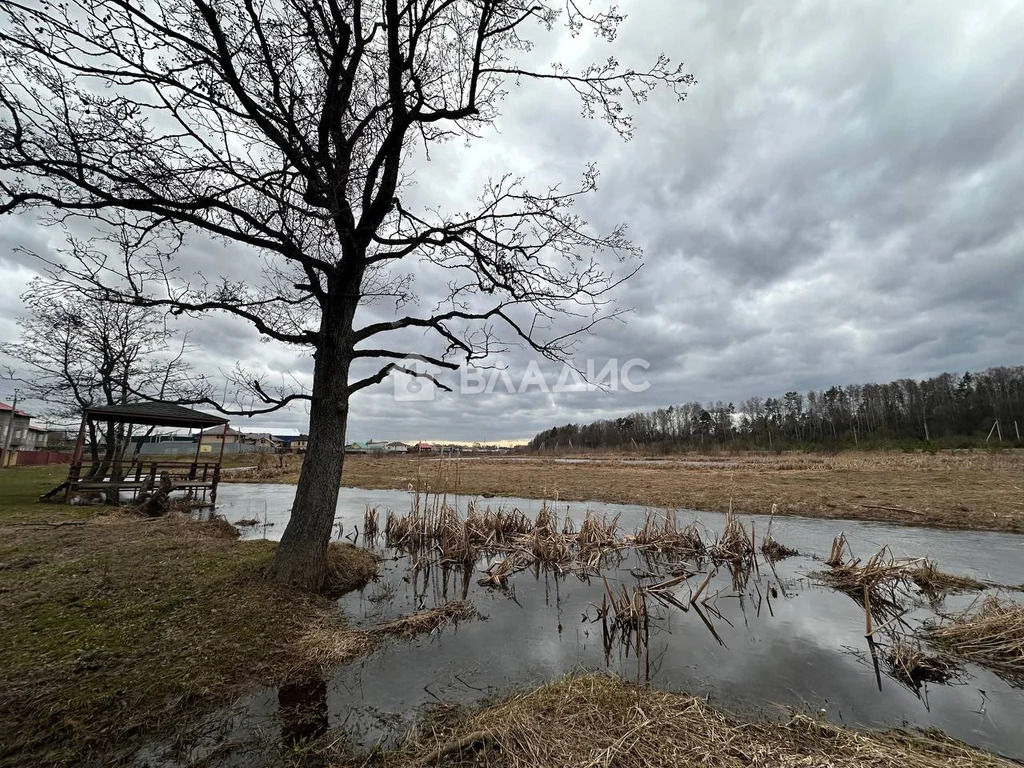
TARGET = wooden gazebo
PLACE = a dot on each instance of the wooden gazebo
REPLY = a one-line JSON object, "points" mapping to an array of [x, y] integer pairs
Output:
{"points": [[139, 474]]}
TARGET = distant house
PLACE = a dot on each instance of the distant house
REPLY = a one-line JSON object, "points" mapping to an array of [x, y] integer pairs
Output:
{"points": [[422, 448], [215, 435], [376, 446], [263, 441], [293, 443], [355, 448], [236, 441], [396, 447], [24, 437]]}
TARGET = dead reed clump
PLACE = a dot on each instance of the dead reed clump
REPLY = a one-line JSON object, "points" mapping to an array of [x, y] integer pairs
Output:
{"points": [[217, 527], [735, 544], [665, 535], [911, 665], [370, 525], [546, 520], [897, 574], [773, 551], [930, 580], [456, 543], [595, 533], [881, 585], [840, 548], [624, 616], [427, 621], [992, 636], [550, 547], [348, 568], [598, 720], [498, 573], [501, 524]]}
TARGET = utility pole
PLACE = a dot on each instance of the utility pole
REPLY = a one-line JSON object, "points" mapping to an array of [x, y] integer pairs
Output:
{"points": [[10, 430]]}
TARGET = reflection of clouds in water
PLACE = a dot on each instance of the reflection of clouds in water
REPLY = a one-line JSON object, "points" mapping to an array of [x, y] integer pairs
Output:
{"points": [[794, 657]]}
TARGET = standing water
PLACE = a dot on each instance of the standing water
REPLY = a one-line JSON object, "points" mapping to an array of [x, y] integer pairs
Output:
{"points": [[776, 636]]}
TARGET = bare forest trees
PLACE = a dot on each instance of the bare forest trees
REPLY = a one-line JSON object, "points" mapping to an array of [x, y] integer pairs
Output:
{"points": [[945, 410], [286, 128], [77, 353]]}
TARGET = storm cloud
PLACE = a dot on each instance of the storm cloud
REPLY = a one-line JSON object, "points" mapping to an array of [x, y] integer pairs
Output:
{"points": [[840, 199]]}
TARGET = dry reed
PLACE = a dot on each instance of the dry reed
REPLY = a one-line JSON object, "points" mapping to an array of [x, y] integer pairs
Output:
{"points": [[930, 580], [911, 665], [992, 636], [734, 544], [665, 535], [427, 621], [597, 720], [883, 569], [370, 525], [773, 551]]}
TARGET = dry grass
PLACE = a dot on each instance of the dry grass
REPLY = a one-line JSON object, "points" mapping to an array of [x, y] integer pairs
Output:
{"points": [[992, 636], [348, 568], [116, 629], [324, 645], [425, 622], [959, 489], [594, 720]]}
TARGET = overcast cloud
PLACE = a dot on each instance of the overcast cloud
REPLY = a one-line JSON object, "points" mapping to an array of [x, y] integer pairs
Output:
{"points": [[839, 200]]}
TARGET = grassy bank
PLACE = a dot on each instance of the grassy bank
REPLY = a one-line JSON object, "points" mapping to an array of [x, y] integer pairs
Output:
{"points": [[962, 489], [595, 720], [118, 630]]}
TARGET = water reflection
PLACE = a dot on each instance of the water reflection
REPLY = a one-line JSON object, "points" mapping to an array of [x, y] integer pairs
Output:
{"points": [[303, 711], [751, 637]]}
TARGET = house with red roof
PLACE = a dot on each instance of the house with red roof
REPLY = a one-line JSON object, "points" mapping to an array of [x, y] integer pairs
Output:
{"points": [[24, 436]]}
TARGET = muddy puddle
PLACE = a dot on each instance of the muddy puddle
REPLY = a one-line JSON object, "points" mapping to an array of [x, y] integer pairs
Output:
{"points": [[770, 638]]}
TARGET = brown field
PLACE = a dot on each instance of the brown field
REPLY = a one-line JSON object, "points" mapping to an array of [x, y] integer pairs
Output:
{"points": [[981, 490]]}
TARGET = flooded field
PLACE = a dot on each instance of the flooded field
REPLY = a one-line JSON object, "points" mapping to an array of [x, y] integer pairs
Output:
{"points": [[770, 635]]}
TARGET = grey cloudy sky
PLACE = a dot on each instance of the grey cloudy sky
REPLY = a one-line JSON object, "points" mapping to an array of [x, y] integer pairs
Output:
{"points": [[839, 200]]}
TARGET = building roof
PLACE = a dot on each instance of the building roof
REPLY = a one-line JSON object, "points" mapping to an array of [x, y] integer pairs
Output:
{"points": [[153, 414], [5, 407], [223, 429]]}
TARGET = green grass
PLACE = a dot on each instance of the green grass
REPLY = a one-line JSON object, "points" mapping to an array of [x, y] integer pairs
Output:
{"points": [[20, 487], [116, 630]]}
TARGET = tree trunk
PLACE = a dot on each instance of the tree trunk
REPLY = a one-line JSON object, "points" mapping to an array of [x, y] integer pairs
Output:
{"points": [[300, 559]]}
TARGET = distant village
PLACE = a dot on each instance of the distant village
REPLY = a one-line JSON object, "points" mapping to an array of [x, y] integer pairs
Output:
{"points": [[23, 442]]}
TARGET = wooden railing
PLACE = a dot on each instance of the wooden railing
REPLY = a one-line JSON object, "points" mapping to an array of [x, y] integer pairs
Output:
{"points": [[145, 473]]}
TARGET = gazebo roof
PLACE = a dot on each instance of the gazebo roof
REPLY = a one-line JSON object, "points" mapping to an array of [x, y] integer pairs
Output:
{"points": [[153, 414]]}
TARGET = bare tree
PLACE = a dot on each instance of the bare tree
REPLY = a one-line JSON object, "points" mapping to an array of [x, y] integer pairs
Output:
{"points": [[288, 126], [76, 353]]}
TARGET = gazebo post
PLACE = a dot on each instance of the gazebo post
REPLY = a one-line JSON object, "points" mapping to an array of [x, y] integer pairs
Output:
{"points": [[195, 459], [216, 469], [76, 458]]}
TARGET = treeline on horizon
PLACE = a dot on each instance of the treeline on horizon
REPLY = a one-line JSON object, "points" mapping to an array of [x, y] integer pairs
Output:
{"points": [[947, 411]]}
